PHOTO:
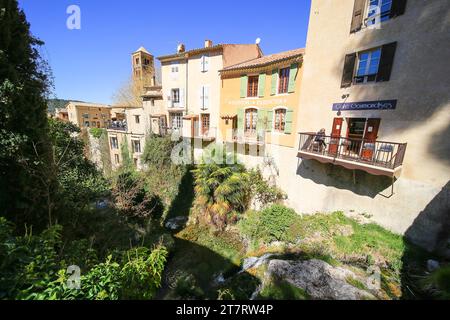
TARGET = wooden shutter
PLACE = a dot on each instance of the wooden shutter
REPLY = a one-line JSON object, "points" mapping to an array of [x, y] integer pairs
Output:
{"points": [[269, 120], [292, 77], [273, 89], [349, 68], [398, 8], [358, 15], [261, 84], [289, 121], [386, 61], [244, 83], [182, 98], [201, 100], [262, 118], [206, 97], [240, 123]]}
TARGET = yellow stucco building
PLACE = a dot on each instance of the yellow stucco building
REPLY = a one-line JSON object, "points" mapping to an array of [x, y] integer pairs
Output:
{"points": [[259, 100]]}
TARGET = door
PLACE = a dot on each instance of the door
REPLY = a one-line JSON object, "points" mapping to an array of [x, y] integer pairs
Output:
{"points": [[205, 124], [370, 138], [335, 136]]}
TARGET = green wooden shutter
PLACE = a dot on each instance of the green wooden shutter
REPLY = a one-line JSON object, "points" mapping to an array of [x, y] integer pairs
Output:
{"points": [[273, 90], [269, 120], [261, 84], [244, 83], [292, 77], [289, 119], [240, 124], [262, 119]]}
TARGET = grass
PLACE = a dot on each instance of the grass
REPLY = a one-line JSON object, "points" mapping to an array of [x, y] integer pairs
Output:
{"points": [[282, 290]]}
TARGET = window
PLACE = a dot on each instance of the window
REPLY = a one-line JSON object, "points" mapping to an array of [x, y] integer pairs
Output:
{"points": [[204, 97], [114, 143], [378, 11], [175, 95], [251, 120], [86, 124], [117, 159], [152, 102], [252, 87], [174, 68], [204, 63], [280, 120], [283, 83], [205, 123], [85, 115], [177, 120], [136, 146], [357, 126], [137, 119], [368, 63], [137, 60]]}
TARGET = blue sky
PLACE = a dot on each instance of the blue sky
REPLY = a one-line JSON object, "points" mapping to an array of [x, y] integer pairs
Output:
{"points": [[91, 63]]}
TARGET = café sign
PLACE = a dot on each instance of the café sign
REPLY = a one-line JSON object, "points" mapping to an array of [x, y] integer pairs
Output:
{"points": [[367, 105]]}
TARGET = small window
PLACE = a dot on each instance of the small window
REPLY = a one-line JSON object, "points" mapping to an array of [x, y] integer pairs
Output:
{"points": [[136, 145], [137, 60], [378, 11], [137, 119], [252, 88], [205, 124], [280, 120], [117, 159], [152, 102], [177, 120], [175, 96], [114, 143], [283, 84], [86, 124], [204, 61], [368, 63], [86, 115], [251, 121]]}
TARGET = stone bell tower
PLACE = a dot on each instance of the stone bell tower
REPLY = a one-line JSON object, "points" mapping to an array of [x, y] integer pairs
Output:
{"points": [[143, 68]]}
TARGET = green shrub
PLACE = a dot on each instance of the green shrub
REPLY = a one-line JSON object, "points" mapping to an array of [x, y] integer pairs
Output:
{"points": [[270, 224], [97, 132], [264, 193]]}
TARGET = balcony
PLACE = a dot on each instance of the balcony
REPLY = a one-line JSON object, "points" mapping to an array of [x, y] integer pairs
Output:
{"points": [[118, 126], [249, 137], [374, 157], [207, 135]]}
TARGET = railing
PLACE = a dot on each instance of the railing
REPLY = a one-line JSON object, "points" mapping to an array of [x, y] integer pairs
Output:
{"points": [[249, 137], [383, 154], [208, 134], [119, 126]]}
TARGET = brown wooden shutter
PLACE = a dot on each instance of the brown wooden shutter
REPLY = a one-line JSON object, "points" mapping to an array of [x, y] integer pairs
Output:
{"points": [[386, 62], [358, 14], [349, 67], [398, 8]]}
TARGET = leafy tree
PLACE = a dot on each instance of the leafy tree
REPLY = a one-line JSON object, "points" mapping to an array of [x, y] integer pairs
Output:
{"points": [[26, 180]]}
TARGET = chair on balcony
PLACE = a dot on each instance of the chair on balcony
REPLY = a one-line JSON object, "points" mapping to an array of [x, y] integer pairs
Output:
{"points": [[387, 152]]}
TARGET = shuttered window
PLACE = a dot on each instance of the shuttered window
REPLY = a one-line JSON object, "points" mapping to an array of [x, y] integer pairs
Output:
{"points": [[205, 124], [368, 63], [280, 120], [378, 11], [371, 65], [252, 87], [251, 120], [283, 83]]}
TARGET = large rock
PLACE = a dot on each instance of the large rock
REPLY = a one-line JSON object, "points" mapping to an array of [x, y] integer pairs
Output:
{"points": [[319, 279]]}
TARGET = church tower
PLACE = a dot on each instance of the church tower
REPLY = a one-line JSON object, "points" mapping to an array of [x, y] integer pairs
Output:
{"points": [[143, 68]]}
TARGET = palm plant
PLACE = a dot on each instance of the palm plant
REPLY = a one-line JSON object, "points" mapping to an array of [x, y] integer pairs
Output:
{"points": [[222, 192]]}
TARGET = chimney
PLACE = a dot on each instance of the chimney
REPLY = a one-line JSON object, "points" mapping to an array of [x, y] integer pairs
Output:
{"points": [[181, 48], [208, 43]]}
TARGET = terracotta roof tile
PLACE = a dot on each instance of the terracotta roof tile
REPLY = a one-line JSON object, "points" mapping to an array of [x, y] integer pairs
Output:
{"points": [[267, 60]]}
